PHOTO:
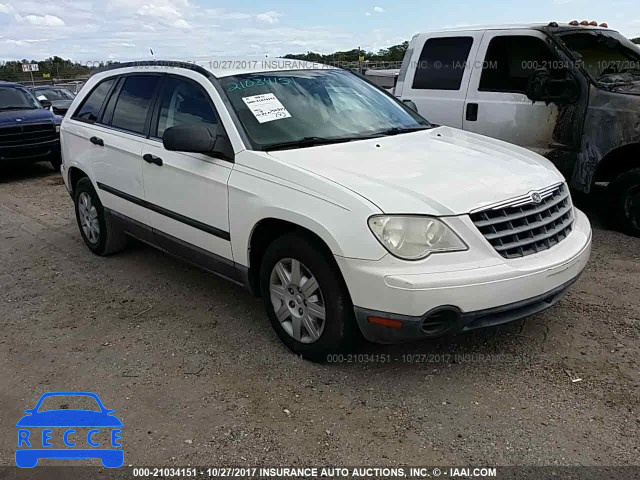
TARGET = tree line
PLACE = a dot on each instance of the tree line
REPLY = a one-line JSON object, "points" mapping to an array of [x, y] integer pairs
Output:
{"points": [[394, 53], [53, 67]]}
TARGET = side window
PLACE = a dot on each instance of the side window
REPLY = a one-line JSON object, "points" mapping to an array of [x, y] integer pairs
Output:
{"points": [[183, 102], [90, 107], [134, 102], [509, 62], [442, 63]]}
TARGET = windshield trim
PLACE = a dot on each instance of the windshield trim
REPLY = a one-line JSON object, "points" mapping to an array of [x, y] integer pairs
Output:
{"points": [[253, 146]]}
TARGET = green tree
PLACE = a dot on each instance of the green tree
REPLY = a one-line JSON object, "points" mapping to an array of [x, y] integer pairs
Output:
{"points": [[636, 40], [394, 53]]}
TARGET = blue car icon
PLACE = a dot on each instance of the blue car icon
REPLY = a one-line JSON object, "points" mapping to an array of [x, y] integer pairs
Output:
{"points": [[31, 448]]}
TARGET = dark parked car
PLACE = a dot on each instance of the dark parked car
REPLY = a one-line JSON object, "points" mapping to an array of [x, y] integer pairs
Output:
{"points": [[60, 98], [29, 131]]}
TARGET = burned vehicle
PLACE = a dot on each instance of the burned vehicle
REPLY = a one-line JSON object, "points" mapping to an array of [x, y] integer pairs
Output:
{"points": [[569, 92]]}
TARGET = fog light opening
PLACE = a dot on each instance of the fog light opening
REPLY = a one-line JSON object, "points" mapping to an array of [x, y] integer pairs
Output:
{"points": [[441, 321]]}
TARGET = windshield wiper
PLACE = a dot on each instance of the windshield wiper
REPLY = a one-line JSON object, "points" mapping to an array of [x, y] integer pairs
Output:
{"points": [[401, 130], [309, 142]]}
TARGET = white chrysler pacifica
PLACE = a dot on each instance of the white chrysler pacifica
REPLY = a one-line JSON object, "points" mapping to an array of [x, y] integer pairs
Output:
{"points": [[338, 204]]}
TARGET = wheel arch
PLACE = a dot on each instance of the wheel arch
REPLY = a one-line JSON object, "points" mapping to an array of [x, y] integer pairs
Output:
{"points": [[268, 229], [74, 175], [617, 161]]}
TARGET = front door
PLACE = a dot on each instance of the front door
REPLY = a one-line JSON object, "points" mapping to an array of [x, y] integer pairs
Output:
{"points": [[186, 193], [497, 104]]}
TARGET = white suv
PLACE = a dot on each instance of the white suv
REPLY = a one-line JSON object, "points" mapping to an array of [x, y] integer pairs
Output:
{"points": [[339, 205]]}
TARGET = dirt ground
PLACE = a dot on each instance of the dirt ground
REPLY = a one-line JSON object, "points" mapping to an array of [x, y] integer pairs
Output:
{"points": [[194, 371]]}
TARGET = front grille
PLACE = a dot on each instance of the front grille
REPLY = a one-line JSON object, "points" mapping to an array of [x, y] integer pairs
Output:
{"points": [[524, 227], [25, 135]]}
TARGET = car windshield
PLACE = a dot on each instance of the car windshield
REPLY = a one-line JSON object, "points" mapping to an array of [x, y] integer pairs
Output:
{"points": [[12, 98], [607, 57], [300, 108], [54, 93]]}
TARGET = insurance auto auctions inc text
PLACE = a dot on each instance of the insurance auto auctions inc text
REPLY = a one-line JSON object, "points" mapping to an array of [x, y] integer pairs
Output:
{"points": [[353, 472]]}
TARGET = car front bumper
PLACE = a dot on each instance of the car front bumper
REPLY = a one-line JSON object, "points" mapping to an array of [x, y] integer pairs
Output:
{"points": [[30, 153], [398, 301]]}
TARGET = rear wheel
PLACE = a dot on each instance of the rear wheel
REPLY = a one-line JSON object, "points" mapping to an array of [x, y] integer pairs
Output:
{"points": [[625, 196], [306, 299], [96, 228]]}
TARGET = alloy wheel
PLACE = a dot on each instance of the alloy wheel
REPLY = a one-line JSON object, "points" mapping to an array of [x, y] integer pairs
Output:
{"points": [[297, 300], [88, 218]]}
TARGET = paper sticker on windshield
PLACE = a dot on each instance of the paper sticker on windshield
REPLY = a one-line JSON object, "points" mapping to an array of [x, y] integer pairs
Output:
{"points": [[266, 107]]}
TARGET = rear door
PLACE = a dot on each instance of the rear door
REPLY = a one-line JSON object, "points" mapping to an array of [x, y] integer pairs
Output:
{"points": [[187, 192], [438, 74], [118, 145], [497, 105]]}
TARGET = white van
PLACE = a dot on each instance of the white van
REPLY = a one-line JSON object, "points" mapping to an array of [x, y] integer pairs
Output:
{"points": [[568, 92], [331, 199]]}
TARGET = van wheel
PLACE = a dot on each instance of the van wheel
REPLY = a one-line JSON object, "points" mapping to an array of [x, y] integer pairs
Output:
{"points": [[625, 196], [306, 299], [96, 228]]}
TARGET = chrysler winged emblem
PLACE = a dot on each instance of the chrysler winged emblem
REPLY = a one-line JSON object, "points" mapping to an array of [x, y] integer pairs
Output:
{"points": [[536, 197]]}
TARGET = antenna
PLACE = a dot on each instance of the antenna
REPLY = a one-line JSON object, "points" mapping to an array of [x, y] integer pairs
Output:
{"points": [[152, 54]]}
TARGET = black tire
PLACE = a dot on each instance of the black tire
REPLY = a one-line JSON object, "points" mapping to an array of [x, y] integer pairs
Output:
{"points": [[56, 163], [110, 240], [624, 192], [340, 327]]}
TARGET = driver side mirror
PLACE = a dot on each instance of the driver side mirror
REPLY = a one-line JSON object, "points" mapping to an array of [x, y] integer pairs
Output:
{"points": [[211, 140], [46, 104], [558, 87]]}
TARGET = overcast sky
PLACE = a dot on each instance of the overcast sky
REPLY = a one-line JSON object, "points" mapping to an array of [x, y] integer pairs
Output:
{"points": [[87, 30]]}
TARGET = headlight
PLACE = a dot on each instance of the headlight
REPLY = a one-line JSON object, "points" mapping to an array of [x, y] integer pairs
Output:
{"points": [[414, 237]]}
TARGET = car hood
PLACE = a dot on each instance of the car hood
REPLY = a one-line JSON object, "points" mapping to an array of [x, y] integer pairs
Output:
{"points": [[69, 418], [18, 117], [441, 171]]}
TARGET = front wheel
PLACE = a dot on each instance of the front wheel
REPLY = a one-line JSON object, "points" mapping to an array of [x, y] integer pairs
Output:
{"points": [[625, 196], [306, 299]]}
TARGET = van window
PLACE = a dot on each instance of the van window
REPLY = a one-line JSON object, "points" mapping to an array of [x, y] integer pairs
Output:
{"points": [[183, 102], [90, 107], [134, 102], [510, 60], [442, 63]]}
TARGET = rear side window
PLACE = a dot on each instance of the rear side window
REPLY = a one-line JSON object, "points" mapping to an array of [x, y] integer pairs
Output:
{"points": [[134, 102], [511, 60], [183, 102], [442, 63], [90, 107]]}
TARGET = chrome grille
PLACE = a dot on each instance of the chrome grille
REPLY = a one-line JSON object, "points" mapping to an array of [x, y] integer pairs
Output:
{"points": [[25, 135], [524, 227]]}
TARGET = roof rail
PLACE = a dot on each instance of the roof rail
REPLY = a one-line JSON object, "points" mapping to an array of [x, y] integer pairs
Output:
{"points": [[156, 63]]}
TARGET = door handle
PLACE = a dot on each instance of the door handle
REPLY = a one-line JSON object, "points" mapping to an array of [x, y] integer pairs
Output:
{"points": [[97, 141], [147, 157], [472, 112]]}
